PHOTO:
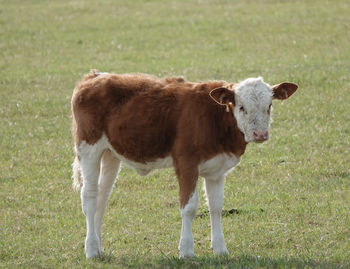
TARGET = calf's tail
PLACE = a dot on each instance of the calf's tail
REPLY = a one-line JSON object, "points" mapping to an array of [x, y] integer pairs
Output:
{"points": [[77, 179]]}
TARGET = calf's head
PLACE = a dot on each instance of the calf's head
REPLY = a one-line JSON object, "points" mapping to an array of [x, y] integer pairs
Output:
{"points": [[250, 102]]}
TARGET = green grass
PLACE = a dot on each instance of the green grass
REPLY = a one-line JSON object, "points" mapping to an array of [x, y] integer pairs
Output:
{"points": [[292, 193]]}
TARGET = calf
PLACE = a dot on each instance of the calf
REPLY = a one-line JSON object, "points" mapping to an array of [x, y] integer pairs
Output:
{"points": [[201, 129]]}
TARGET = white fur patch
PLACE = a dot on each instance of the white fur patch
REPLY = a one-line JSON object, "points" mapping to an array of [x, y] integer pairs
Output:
{"points": [[218, 166], [253, 98], [100, 73]]}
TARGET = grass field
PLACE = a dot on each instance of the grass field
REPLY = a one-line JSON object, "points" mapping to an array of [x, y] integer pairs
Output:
{"points": [[292, 194]]}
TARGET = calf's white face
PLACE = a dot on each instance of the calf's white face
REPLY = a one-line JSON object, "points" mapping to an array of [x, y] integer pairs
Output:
{"points": [[252, 99], [253, 104]]}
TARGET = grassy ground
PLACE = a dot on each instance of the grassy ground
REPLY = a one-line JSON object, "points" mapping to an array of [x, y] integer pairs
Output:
{"points": [[292, 194]]}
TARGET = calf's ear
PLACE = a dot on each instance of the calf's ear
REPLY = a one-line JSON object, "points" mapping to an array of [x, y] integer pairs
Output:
{"points": [[222, 96], [284, 90]]}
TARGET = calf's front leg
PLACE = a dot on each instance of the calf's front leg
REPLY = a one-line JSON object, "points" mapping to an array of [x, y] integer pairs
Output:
{"points": [[187, 174], [187, 214], [215, 193]]}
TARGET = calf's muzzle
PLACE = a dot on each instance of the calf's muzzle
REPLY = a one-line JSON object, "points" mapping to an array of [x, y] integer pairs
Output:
{"points": [[260, 136]]}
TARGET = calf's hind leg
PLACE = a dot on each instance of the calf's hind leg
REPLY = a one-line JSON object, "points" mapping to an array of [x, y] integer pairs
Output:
{"points": [[90, 157], [108, 174]]}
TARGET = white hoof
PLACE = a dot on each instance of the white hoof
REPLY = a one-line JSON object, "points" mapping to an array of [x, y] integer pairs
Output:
{"points": [[186, 248], [186, 255], [220, 248], [223, 251], [92, 247]]}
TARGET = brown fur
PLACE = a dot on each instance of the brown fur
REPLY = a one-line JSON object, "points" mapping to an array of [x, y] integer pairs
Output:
{"points": [[146, 118]]}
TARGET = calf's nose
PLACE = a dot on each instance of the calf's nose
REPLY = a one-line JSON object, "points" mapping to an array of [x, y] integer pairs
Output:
{"points": [[261, 135]]}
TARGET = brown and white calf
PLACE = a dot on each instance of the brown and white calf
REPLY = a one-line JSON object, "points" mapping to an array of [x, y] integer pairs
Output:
{"points": [[201, 129]]}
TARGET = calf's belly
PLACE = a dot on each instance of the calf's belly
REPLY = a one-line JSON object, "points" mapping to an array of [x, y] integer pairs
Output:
{"points": [[213, 168], [145, 168]]}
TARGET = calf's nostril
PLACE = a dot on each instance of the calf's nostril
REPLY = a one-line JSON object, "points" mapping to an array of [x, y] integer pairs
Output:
{"points": [[261, 135]]}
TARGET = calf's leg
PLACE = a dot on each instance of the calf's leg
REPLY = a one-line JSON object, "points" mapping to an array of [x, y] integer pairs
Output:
{"points": [[90, 156], [215, 193], [187, 174], [187, 214], [108, 174]]}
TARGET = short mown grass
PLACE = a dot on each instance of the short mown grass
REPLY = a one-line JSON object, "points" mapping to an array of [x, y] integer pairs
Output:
{"points": [[291, 195]]}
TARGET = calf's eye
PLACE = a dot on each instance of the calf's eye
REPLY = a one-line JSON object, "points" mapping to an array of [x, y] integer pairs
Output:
{"points": [[269, 110], [241, 109]]}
